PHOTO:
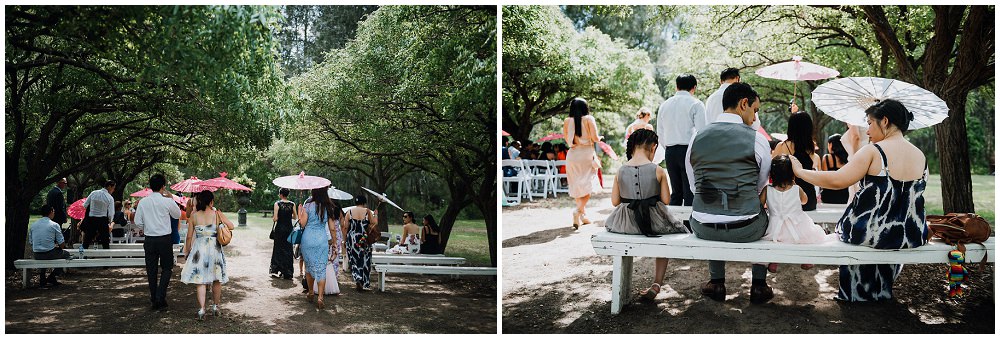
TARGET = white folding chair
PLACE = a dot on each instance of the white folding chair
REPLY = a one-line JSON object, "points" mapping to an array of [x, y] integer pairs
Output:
{"points": [[559, 177], [542, 178], [522, 179], [122, 239], [137, 234]]}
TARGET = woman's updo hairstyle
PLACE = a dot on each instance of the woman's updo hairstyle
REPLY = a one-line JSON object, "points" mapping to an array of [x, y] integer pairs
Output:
{"points": [[639, 138], [643, 112], [893, 110], [204, 198]]}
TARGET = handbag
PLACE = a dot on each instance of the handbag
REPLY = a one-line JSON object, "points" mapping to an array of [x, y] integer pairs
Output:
{"points": [[373, 235], [295, 237], [223, 234], [958, 229], [271, 236]]}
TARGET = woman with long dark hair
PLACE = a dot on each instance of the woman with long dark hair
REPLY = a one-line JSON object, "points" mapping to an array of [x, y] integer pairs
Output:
{"points": [[580, 131], [321, 217], [834, 160], [800, 144], [430, 237], [282, 262], [206, 264], [359, 252]]}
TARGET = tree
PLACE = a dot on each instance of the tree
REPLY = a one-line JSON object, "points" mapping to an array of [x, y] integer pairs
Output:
{"points": [[547, 64], [418, 85], [104, 80], [309, 31]]}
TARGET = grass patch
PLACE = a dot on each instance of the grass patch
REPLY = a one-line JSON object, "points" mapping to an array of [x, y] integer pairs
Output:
{"points": [[983, 196]]}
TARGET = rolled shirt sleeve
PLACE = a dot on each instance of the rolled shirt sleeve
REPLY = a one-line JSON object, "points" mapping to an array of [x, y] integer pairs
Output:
{"points": [[762, 152], [59, 235]]}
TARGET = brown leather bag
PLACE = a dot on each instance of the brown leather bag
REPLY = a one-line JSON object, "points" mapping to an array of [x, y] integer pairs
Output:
{"points": [[958, 229], [223, 234]]}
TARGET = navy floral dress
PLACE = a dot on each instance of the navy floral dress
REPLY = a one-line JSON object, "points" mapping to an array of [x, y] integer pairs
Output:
{"points": [[887, 214]]}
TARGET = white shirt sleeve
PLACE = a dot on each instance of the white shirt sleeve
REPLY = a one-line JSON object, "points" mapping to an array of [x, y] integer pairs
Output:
{"points": [[762, 152], [111, 205], [661, 125], [137, 218], [687, 164], [86, 204], [173, 209], [697, 116]]}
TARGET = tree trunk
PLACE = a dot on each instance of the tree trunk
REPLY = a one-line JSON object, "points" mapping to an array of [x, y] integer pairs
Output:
{"points": [[459, 200], [486, 201], [953, 150], [17, 215]]}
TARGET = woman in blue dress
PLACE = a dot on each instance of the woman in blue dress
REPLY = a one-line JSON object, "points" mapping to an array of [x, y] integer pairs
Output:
{"points": [[320, 215], [888, 211]]}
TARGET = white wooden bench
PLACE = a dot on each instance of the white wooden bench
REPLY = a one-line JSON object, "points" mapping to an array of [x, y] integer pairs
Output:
{"points": [[382, 269], [137, 246], [825, 214], [116, 253], [624, 247], [414, 259], [27, 265]]}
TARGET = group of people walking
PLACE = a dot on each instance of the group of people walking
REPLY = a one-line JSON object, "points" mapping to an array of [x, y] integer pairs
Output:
{"points": [[742, 188]]}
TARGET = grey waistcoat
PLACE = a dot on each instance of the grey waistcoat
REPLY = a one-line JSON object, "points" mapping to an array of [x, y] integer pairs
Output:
{"points": [[725, 170]]}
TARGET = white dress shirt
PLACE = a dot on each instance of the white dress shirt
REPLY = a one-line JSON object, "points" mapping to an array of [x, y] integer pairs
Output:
{"points": [[679, 118], [101, 204], [762, 153], [713, 107], [153, 214]]}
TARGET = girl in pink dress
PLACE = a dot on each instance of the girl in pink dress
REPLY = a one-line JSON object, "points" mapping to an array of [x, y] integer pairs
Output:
{"points": [[784, 200]]}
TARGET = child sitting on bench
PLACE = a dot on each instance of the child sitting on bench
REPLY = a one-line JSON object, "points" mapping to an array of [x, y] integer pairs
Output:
{"points": [[784, 200]]}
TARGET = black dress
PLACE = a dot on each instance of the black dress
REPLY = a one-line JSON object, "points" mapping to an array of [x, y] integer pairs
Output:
{"points": [[281, 254], [431, 244], [810, 190], [830, 196]]}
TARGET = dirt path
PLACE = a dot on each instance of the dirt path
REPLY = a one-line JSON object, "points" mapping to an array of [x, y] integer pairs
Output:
{"points": [[554, 283], [116, 301]]}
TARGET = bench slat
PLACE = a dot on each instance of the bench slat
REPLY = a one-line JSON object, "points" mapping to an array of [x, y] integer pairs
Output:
{"points": [[69, 263], [382, 269], [824, 213], [833, 252]]}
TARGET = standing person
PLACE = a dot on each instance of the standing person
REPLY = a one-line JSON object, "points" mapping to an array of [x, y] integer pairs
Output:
{"points": [[411, 240], [321, 217], [56, 198], [175, 233], [100, 208], [359, 252], [430, 237], [729, 163], [888, 212], [713, 105], [680, 118], [800, 144], [205, 263], [153, 214], [641, 121], [640, 195], [580, 131], [833, 161], [46, 240], [282, 261]]}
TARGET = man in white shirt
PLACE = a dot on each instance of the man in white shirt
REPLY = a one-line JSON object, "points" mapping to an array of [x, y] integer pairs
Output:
{"points": [[678, 119], [713, 105], [153, 214], [100, 207], [729, 163]]}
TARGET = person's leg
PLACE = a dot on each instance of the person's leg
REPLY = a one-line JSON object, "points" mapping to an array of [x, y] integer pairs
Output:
{"points": [[216, 296], [89, 232], [166, 255], [104, 237], [685, 181], [583, 209], [675, 172], [309, 283], [152, 259], [202, 291], [321, 288]]}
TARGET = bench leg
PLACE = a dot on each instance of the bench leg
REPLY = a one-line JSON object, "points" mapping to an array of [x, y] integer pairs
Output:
{"points": [[25, 278], [381, 281], [621, 283]]}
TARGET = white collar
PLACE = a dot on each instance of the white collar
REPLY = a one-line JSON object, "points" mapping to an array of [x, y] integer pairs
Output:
{"points": [[731, 118], [683, 93]]}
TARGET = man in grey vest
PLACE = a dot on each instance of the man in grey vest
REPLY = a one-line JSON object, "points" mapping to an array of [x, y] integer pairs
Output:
{"points": [[729, 163]]}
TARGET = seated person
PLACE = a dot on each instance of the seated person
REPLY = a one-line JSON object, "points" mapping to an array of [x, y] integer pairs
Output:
{"points": [[411, 237], [46, 240]]}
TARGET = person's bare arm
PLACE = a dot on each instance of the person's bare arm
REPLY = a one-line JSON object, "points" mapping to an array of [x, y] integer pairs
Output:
{"points": [[851, 173], [763, 197], [661, 177], [802, 195], [274, 215], [302, 216], [616, 198], [331, 225], [189, 237]]}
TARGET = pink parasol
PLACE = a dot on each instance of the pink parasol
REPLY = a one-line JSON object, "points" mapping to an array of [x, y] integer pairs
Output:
{"points": [[181, 200], [76, 209], [760, 129], [504, 133], [552, 136], [607, 149], [223, 182], [142, 193], [191, 185], [797, 70], [301, 182]]}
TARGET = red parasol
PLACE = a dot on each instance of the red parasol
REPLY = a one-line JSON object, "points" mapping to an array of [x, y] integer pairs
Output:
{"points": [[142, 193], [191, 185], [76, 209], [504, 133], [181, 200], [223, 182], [607, 149], [552, 136], [301, 182]]}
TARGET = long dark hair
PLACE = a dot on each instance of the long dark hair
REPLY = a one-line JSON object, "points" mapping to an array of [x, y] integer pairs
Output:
{"points": [[800, 133], [837, 148], [324, 204], [430, 222], [577, 109], [781, 171], [640, 137]]}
